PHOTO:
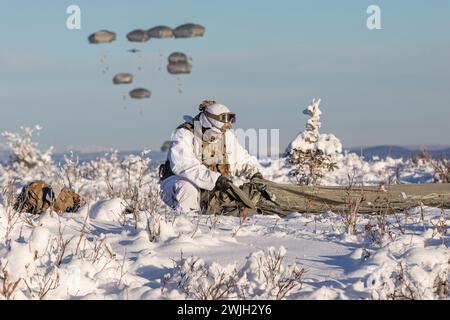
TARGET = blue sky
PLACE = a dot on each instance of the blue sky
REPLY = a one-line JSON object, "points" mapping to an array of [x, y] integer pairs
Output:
{"points": [[264, 59]]}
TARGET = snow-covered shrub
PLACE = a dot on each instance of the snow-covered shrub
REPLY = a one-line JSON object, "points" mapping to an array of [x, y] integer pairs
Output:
{"points": [[135, 169], [140, 193], [8, 216], [102, 168], [202, 281], [7, 286], [352, 207], [51, 258], [311, 154], [25, 151], [130, 179], [71, 173], [409, 282], [441, 167], [269, 277], [441, 170], [409, 267], [263, 276]]}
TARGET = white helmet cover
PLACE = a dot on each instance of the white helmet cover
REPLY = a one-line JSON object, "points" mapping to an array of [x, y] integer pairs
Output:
{"points": [[215, 109]]}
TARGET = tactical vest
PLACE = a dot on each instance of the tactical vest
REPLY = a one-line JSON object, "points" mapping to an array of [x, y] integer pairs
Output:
{"points": [[208, 150]]}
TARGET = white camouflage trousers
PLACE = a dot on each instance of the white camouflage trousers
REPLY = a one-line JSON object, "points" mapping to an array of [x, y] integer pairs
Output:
{"points": [[180, 194]]}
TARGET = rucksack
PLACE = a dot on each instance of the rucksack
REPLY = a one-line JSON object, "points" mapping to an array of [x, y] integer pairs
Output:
{"points": [[38, 196]]}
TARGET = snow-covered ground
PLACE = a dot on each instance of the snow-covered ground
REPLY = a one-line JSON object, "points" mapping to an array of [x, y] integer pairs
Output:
{"points": [[104, 251]]}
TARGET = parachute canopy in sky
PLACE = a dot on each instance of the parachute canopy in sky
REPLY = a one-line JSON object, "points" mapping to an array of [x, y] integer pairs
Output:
{"points": [[138, 35], [177, 57], [179, 67], [160, 32], [140, 93], [189, 30], [123, 78], [178, 63], [102, 36]]}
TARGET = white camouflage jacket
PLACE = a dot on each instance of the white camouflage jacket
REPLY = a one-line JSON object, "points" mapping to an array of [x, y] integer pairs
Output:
{"points": [[185, 157]]}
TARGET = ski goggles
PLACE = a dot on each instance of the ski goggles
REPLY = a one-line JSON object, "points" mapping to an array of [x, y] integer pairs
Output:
{"points": [[228, 117]]}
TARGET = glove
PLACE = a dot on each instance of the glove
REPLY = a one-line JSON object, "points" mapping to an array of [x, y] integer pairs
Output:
{"points": [[222, 183], [257, 175]]}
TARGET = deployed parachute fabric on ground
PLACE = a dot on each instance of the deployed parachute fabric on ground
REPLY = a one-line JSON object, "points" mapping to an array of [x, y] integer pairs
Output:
{"points": [[282, 199], [140, 93], [123, 78], [160, 32], [138, 35], [102, 36], [189, 30], [178, 63]]}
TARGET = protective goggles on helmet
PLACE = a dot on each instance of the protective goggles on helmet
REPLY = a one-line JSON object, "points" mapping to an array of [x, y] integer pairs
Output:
{"points": [[228, 117]]}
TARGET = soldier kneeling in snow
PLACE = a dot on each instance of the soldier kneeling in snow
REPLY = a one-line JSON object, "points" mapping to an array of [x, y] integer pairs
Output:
{"points": [[203, 156], [38, 197]]}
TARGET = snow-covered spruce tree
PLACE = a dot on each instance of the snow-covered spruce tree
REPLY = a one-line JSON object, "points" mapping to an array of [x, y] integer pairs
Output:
{"points": [[25, 151], [311, 154]]}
